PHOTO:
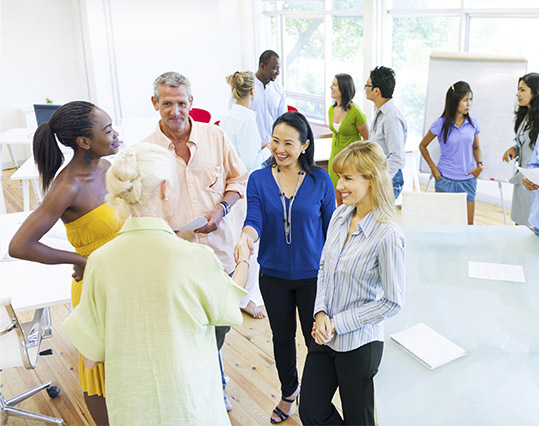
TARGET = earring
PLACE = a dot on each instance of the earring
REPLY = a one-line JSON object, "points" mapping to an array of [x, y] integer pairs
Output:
{"points": [[303, 152]]}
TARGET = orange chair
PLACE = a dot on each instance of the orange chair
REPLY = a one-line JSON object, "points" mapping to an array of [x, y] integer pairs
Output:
{"points": [[291, 108], [200, 115]]}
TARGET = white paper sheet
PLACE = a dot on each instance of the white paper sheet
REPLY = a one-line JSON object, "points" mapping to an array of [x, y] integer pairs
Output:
{"points": [[496, 271], [428, 346], [196, 223], [531, 174]]}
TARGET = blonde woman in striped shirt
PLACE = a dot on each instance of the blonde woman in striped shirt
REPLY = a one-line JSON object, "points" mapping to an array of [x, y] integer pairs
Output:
{"points": [[360, 283]]}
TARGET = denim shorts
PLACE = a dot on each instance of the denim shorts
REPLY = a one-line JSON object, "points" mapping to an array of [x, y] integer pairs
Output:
{"points": [[445, 184]]}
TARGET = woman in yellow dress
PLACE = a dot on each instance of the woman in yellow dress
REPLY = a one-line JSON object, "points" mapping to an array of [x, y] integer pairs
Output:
{"points": [[77, 197]]}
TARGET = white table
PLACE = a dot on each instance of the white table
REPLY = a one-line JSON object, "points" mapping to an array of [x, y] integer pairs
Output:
{"points": [[28, 172], [16, 136], [33, 285], [496, 322]]}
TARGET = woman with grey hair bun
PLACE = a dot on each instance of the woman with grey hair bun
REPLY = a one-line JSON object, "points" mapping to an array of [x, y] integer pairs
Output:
{"points": [[150, 303]]}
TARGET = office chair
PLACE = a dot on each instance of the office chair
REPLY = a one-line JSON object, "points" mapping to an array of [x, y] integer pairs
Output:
{"points": [[434, 208], [20, 345], [200, 115]]}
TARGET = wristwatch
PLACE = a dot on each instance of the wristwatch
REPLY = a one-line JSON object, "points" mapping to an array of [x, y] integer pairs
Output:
{"points": [[226, 207]]}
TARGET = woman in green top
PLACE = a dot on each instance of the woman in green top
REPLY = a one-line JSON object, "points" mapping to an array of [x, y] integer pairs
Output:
{"points": [[346, 121]]}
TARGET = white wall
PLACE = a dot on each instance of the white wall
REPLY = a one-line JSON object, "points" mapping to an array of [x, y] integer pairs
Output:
{"points": [[110, 51], [41, 56], [204, 40]]}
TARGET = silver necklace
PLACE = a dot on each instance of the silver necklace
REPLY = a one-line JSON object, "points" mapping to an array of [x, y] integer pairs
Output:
{"points": [[288, 215]]}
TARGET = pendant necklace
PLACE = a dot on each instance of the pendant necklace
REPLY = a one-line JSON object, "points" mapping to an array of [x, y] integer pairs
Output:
{"points": [[288, 215]]}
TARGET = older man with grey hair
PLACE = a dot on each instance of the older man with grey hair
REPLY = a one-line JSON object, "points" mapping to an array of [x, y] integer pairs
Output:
{"points": [[211, 176]]}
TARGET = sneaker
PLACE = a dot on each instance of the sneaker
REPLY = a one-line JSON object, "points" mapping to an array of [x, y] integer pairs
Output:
{"points": [[228, 405]]}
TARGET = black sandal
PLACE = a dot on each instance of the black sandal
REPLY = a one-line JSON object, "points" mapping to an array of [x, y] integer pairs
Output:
{"points": [[280, 413]]}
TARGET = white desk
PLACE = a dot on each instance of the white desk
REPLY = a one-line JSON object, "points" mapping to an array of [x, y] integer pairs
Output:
{"points": [[33, 285], [497, 322], [17, 136]]}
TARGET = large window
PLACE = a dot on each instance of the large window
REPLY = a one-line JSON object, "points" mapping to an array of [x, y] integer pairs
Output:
{"points": [[419, 27], [316, 40]]}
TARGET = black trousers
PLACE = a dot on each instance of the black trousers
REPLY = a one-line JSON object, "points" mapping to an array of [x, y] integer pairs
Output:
{"points": [[281, 298], [352, 372]]}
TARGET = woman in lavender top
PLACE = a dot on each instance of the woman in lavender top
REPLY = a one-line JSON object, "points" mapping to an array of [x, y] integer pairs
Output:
{"points": [[460, 161]]}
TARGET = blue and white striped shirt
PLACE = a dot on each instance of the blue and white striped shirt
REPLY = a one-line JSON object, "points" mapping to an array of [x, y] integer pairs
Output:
{"points": [[361, 283]]}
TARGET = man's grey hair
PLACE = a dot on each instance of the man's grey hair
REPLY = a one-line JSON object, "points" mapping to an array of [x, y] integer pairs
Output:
{"points": [[170, 79]]}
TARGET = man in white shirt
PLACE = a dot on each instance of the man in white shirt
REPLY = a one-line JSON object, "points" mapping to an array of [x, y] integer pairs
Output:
{"points": [[269, 100], [389, 127]]}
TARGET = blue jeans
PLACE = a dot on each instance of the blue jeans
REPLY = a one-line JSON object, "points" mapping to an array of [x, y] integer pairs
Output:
{"points": [[398, 182], [445, 184]]}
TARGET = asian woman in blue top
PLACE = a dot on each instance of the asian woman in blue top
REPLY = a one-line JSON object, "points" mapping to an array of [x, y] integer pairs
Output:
{"points": [[460, 161], [360, 283], [289, 206]]}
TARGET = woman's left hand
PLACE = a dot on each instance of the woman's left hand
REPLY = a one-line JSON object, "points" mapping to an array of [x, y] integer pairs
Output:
{"points": [[476, 172], [529, 185]]}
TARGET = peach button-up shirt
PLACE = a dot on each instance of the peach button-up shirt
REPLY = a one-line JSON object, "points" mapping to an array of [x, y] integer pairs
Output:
{"points": [[213, 169]]}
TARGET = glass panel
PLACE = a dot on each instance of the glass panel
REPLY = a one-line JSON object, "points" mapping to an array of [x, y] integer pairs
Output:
{"points": [[425, 4], [504, 36], [309, 109], [490, 4], [303, 5], [347, 49], [413, 40], [304, 55], [348, 4]]}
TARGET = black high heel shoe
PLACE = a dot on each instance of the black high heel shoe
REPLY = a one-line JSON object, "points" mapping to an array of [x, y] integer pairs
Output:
{"points": [[280, 413]]}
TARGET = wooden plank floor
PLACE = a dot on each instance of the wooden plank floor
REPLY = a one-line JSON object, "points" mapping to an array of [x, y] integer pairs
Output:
{"points": [[248, 356]]}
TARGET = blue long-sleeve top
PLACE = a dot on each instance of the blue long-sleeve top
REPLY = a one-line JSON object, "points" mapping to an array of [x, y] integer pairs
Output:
{"points": [[311, 212]]}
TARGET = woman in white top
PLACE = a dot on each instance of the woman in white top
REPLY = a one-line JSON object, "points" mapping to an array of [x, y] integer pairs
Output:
{"points": [[239, 123], [360, 283]]}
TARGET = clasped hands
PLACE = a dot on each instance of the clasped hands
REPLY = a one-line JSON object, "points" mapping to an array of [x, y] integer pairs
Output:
{"points": [[323, 329]]}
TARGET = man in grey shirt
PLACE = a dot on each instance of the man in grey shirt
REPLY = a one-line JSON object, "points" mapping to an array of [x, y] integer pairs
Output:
{"points": [[389, 127]]}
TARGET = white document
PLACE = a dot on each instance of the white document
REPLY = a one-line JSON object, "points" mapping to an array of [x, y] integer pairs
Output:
{"points": [[531, 174], [427, 346], [196, 223], [496, 271]]}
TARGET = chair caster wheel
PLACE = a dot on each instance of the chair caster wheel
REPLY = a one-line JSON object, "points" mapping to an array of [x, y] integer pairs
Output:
{"points": [[53, 391]]}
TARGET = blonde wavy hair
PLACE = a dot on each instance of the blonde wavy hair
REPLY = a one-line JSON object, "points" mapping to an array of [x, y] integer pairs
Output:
{"points": [[368, 159], [135, 175], [241, 83]]}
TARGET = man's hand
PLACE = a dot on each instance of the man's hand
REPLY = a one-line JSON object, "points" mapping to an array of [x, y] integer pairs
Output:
{"points": [[214, 218], [529, 185]]}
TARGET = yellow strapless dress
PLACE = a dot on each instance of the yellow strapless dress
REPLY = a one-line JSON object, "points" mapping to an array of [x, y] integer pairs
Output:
{"points": [[86, 234]]}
